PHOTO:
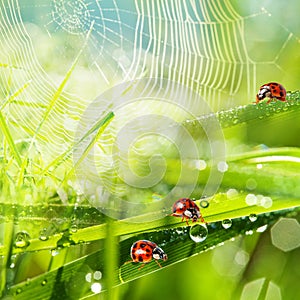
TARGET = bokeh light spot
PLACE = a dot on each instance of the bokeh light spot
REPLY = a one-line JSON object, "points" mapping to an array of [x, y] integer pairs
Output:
{"points": [[285, 234]]}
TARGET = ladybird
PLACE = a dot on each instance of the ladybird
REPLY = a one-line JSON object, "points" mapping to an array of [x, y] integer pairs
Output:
{"points": [[272, 90], [187, 209], [143, 251]]}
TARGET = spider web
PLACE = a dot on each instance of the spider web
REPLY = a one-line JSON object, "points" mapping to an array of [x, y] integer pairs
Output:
{"points": [[222, 50]]}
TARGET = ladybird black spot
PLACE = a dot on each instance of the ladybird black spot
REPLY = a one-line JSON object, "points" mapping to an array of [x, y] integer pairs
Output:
{"points": [[134, 245], [141, 258], [148, 255], [133, 256], [143, 245], [148, 250], [281, 94]]}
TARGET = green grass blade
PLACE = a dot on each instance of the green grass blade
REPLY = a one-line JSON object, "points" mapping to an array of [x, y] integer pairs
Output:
{"points": [[10, 140], [98, 126], [9, 231], [176, 243], [221, 206], [15, 94]]}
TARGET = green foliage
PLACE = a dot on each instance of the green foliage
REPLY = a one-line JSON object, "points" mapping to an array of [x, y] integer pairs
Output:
{"points": [[79, 240]]}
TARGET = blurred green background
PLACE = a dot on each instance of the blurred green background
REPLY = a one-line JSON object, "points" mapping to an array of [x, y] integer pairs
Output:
{"points": [[223, 50]]}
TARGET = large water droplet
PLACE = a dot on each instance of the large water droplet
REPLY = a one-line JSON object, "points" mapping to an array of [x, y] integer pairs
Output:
{"points": [[198, 233], [22, 239], [226, 223]]}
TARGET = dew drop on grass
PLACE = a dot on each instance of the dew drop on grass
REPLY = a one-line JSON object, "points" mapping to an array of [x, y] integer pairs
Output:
{"points": [[198, 233], [22, 239], [88, 277], [19, 291], [28, 281], [204, 203], [262, 228], [253, 217], [54, 252], [43, 235], [97, 275], [44, 282], [226, 223], [73, 228], [179, 230], [96, 287]]}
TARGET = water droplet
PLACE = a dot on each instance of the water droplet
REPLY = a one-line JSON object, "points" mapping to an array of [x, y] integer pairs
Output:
{"points": [[156, 197], [54, 252], [22, 239], [179, 230], [88, 277], [43, 235], [12, 265], [226, 223], [28, 281], [97, 275], [19, 291], [253, 217], [198, 233], [96, 287], [204, 203], [262, 228], [44, 282], [73, 228]]}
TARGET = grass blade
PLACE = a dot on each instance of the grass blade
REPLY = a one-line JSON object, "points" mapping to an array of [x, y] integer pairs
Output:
{"points": [[10, 140]]}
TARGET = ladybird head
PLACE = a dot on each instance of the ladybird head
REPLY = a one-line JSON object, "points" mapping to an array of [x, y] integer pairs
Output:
{"points": [[264, 91], [158, 253], [195, 217], [192, 213]]}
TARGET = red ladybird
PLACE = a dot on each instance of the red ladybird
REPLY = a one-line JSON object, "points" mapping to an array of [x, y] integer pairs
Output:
{"points": [[187, 209], [272, 90], [143, 251]]}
